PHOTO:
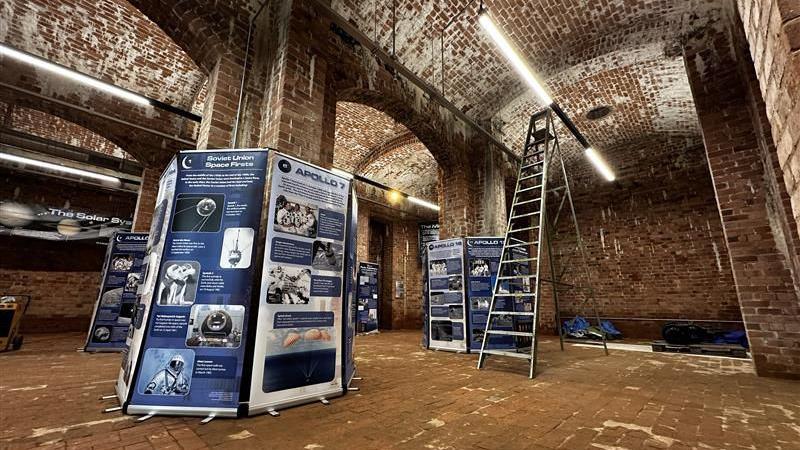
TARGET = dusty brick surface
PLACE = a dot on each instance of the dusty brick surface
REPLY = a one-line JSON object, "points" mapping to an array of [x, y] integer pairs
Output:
{"points": [[412, 398]]}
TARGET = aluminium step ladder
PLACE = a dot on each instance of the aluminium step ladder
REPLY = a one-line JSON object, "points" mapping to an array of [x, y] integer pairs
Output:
{"points": [[527, 227]]}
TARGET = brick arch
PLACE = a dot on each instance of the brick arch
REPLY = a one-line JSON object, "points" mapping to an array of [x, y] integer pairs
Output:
{"points": [[445, 148]]}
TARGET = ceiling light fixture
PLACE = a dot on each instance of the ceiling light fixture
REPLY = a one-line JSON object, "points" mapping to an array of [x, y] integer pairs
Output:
{"points": [[599, 164], [392, 195], [423, 203], [73, 75], [58, 168], [527, 75]]}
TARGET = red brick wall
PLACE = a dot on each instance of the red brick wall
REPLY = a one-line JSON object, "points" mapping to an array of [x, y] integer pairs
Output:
{"points": [[654, 241], [62, 277]]}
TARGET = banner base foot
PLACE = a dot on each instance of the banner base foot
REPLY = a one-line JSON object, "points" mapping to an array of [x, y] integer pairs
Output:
{"points": [[112, 409], [108, 397], [273, 413], [324, 401], [208, 418], [145, 417], [353, 389]]}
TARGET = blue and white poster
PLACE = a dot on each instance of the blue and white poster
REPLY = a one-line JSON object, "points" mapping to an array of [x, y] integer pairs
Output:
{"points": [[199, 289], [368, 301], [116, 301], [447, 320], [483, 259], [298, 347]]}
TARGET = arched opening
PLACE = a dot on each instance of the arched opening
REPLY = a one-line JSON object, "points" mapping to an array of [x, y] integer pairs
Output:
{"points": [[371, 144]]}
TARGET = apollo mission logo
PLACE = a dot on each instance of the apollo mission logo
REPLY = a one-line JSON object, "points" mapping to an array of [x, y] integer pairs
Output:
{"points": [[284, 166]]}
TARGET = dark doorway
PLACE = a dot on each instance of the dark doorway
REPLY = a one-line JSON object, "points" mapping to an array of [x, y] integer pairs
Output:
{"points": [[380, 251]]}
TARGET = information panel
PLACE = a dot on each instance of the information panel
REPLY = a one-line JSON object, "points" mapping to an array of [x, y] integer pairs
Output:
{"points": [[483, 258], [150, 265], [192, 351], [428, 232], [298, 350], [368, 300], [446, 312], [116, 302]]}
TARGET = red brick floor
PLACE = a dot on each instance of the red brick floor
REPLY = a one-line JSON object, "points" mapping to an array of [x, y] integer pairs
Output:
{"points": [[416, 399]]}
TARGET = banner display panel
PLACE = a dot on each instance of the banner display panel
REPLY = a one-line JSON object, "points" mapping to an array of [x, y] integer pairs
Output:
{"points": [[483, 259], [298, 346], [192, 352], [150, 265], [447, 319], [368, 301], [351, 304], [116, 301], [428, 232]]}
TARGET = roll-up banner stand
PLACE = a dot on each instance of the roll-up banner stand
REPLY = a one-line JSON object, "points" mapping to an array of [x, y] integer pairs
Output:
{"points": [[367, 294], [298, 354], [351, 285], [447, 313], [116, 301], [152, 261], [190, 352]]}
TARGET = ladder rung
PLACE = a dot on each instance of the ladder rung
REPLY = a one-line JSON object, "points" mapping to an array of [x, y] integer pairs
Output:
{"points": [[522, 244], [519, 216], [538, 186], [513, 313], [528, 177], [516, 277], [514, 230], [526, 202], [517, 294], [505, 353], [518, 260], [528, 166], [511, 333]]}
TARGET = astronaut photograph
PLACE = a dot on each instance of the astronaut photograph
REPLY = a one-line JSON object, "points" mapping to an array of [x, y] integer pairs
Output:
{"points": [[201, 213], [178, 283], [215, 326], [327, 256], [438, 267], [455, 283], [295, 218], [121, 263], [237, 248], [166, 371], [480, 303], [289, 285], [479, 268], [132, 282]]}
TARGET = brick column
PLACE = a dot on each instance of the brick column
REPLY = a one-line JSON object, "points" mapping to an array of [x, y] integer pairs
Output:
{"points": [[146, 202], [219, 111], [761, 270], [457, 203]]}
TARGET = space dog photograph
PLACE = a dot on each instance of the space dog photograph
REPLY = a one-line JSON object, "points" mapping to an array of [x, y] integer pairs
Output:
{"points": [[215, 326], [178, 283]]}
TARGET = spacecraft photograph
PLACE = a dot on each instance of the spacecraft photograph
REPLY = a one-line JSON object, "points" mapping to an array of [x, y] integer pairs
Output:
{"points": [[198, 213], [101, 334], [215, 326], [237, 248], [178, 283], [295, 218]]}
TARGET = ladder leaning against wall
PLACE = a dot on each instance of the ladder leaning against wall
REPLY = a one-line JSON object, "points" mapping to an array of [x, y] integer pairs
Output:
{"points": [[528, 226]]}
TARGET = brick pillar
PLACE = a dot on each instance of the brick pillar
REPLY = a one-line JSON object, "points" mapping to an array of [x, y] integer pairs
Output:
{"points": [[219, 111], [764, 283], [457, 203], [772, 29], [146, 202]]}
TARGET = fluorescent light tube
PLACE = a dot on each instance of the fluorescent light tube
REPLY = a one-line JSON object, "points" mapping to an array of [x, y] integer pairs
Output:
{"points": [[423, 203], [599, 164], [72, 75], [519, 64], [342, 173], [58, 168]]}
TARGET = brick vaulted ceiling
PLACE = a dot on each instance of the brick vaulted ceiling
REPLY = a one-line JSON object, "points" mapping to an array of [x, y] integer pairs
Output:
{"points": [[619, 53]]}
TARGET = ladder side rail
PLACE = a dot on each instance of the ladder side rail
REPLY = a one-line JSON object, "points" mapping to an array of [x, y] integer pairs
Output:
{"points": [[582, 250]]}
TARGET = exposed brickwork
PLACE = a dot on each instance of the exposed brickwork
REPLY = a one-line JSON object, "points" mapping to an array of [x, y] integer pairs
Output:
{"points": [[56, 129], [409, 168], [654, 241], [359, 129], [146, 200], [767, 291], [772, 28], [61, 277]]}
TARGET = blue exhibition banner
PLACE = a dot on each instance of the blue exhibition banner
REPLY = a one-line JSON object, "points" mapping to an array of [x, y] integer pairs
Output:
{"points": [[113, 311], [192, 351], [483, 259], [368, 300], [446, 307]]}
